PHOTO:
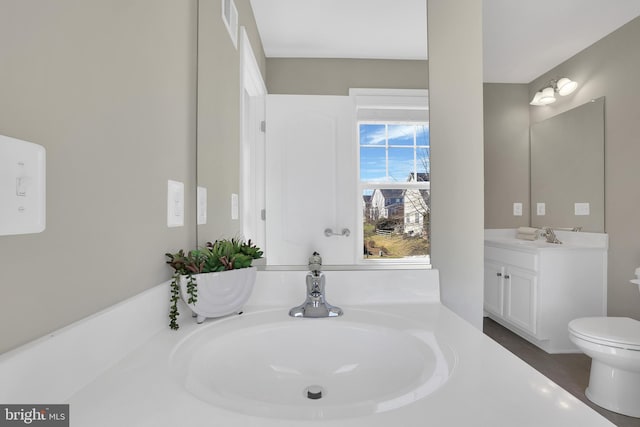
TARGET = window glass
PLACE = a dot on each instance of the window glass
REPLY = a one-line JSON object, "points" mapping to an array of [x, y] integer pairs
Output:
{"points": [[373, 134], [373, 163], [395, 218], [401, 163], [401, 134]]}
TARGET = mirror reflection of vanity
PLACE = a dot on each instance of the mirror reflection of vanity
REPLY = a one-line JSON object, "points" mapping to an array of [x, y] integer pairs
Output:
{"points": [[535, 288], [567, 169]]}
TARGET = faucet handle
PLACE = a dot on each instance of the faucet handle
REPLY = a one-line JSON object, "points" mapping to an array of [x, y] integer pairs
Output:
{"points": [[315, 263], [550, 235]]}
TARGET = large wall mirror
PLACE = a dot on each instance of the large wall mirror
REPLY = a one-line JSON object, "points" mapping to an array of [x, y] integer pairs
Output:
{"points": [[567, 169], [223, 95]]}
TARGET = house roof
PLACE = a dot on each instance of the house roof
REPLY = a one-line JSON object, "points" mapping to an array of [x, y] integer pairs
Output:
{"points": [[391, 193]]}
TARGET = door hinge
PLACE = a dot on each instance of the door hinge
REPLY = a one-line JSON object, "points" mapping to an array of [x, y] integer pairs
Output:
{"points": [[263, 126], [263, 214]]}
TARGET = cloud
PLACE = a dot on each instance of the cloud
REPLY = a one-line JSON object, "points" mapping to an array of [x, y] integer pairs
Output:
{"points": [[376, 134]]}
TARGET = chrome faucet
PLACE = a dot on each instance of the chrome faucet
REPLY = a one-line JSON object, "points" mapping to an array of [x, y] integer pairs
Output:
{"points": [[549, 234], [315, 304]]}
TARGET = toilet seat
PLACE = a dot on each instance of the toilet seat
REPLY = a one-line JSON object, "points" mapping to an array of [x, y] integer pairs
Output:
{"points": [[621, 332]]}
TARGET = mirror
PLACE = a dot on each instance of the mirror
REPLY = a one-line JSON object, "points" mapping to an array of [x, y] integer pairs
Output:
{"points": [[218, 116], [220, 127], [567, 169]]}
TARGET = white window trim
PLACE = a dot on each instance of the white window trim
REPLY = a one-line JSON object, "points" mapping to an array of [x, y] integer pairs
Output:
{"points": [[371, 103]]}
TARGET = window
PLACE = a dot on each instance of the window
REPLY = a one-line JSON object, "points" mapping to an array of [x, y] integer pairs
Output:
{"points": [[393, 149], [394, 183]]}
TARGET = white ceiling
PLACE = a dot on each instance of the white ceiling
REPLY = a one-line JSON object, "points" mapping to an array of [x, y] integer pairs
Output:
{"points": [[522, 39]]}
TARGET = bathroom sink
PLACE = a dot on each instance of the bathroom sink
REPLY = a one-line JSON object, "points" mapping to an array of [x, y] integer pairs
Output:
{"points": [[269, 364]]}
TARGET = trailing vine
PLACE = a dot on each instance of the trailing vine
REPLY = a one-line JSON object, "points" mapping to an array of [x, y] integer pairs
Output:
{"points": [[192, 291], [173, 307]]}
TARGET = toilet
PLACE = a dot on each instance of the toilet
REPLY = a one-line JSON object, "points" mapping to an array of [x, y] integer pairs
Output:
{"points": [[613, 343]]}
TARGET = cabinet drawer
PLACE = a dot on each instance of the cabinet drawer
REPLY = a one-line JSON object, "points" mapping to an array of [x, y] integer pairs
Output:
{"points": [[524, 260]]}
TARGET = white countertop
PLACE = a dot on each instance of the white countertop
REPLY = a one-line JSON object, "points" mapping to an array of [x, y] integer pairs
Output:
{"points": [[133, 383], [489, 387], [506, 238]]}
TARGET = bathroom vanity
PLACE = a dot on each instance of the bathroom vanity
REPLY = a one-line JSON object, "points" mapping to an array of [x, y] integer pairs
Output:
{"points": [[535, 288]]}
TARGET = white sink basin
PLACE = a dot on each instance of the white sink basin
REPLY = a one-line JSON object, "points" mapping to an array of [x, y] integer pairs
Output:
{"points": [[263, 364]]}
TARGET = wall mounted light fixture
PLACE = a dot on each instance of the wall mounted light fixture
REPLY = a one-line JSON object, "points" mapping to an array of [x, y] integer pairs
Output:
{"points": [[546, 96]]}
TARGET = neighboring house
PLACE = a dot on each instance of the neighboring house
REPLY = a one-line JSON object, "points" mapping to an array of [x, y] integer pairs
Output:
{"points": [[367, 212], [387, 203], [416, 206]]}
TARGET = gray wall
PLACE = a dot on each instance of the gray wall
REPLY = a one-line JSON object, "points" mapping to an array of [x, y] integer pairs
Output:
{"points": [[219, 114], [337, 76], [108, 88], [610, 68], [506, 154]]}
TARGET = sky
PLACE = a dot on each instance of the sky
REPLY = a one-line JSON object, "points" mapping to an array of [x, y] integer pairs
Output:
{"points": [[387, 151]]}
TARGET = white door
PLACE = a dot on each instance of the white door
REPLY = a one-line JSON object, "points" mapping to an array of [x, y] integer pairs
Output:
{"points": [[310, 178]]}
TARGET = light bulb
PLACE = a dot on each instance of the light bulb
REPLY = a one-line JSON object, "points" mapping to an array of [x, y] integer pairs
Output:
{"points": [[548, 96], [536, 99], [566, 86]]}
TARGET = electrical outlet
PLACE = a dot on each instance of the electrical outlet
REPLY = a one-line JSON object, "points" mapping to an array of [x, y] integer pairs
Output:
{"points": [[581, 209], [541, 209], [517, 209]]}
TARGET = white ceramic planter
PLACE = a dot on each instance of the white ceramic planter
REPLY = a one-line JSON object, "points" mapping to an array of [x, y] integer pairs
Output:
{"points": [[220, 294]]}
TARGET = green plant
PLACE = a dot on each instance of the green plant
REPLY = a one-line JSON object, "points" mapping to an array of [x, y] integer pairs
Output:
{"points": [[221, 255]]}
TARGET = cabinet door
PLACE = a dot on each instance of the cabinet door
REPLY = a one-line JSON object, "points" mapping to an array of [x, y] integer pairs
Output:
{"points": [[493, 288], [521, 302]]}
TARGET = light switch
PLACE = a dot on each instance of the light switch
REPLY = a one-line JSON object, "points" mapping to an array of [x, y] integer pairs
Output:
{"points": [[22, 187], [517, 209], [202, 205], [175, 204], [581, 209], [541, 209]]}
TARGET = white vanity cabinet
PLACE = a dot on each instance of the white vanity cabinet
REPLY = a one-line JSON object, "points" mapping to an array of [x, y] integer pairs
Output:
{"points": [[511, 286], [536, 288], [520, 298], [493, 287]]}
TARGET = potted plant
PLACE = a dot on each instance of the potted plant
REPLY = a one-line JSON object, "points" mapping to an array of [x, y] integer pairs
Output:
{"points": [[214, 281]]}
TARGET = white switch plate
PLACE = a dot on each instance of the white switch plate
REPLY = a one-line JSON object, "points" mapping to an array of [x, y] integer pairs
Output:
{"points": [[175, 204], [202, 205], [517, 209], [541, 209], [22, 187], [581, 209], [234, 206]]}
